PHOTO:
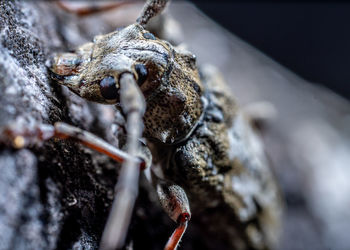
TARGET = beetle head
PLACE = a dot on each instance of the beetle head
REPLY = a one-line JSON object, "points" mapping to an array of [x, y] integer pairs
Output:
{"points": [[94, 69], [167, 78]]}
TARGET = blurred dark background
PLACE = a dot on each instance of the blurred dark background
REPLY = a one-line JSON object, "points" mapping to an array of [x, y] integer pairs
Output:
{"points": [[312, 39]]}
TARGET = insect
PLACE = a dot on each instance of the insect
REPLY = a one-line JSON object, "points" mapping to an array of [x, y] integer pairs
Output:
{"points": [[200, 151]]}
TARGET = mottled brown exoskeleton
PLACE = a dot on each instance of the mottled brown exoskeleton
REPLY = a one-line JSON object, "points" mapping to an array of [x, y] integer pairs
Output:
{"points": [[203, 148]]}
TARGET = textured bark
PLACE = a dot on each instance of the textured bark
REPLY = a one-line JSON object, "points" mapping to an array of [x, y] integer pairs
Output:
{"points": [[57, 194]]}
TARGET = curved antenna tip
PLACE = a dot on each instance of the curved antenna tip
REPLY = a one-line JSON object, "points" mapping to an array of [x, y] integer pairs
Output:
{"points": [[151, 9]]}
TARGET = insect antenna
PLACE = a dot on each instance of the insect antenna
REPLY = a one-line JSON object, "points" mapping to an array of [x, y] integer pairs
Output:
{"points": [[126, 190], [151, 9]]}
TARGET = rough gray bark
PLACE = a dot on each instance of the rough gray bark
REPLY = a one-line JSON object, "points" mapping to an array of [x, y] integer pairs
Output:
{"points": [[52, 195]]}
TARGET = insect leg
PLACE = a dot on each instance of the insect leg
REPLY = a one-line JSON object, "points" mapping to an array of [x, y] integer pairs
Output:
{"points": [[175, 238], [92, 9], [18, 136], [175, 203], [126, 190]]}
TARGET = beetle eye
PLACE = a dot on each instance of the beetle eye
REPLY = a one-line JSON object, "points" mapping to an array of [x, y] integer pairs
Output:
{"points": [[142, 73], [108, 88]]}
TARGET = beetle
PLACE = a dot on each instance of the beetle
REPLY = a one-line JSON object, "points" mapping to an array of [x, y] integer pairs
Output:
{"points": [[200, 151]]}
